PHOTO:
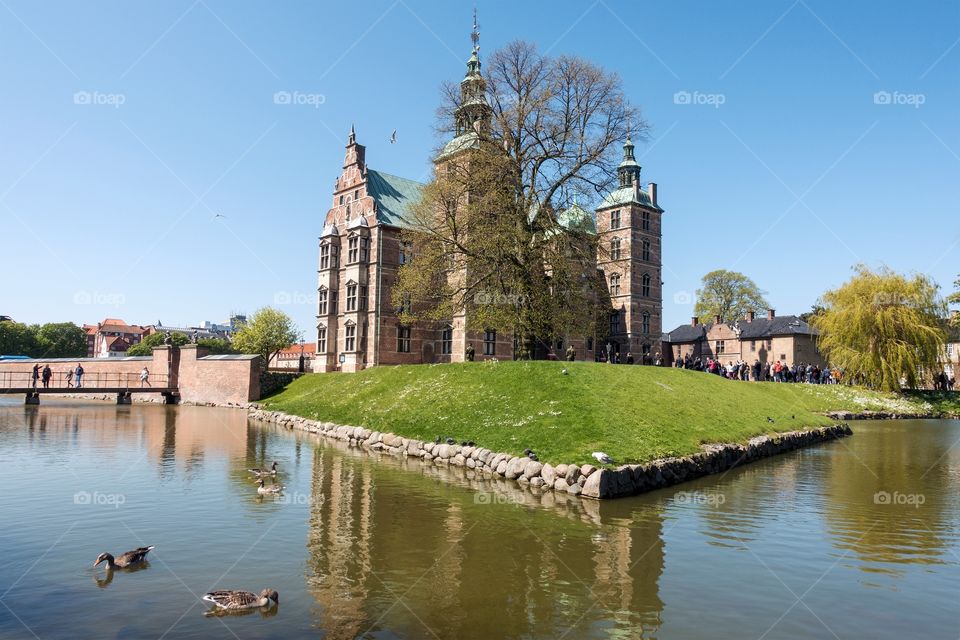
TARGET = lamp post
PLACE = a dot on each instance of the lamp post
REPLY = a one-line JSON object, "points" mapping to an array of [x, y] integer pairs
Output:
{"points": [[302, 360]]}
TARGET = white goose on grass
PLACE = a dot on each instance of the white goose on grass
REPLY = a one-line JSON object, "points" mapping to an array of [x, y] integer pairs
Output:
{"points": [[602, 458], [229, 600]]}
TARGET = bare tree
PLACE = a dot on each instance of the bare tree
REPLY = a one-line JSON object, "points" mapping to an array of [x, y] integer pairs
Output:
{"points": [[499, 233]]}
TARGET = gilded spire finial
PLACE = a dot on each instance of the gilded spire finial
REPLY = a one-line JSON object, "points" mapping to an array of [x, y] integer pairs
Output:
{"points": [[475, 35]]}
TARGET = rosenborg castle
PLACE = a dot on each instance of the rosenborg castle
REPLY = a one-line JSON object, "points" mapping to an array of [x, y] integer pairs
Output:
{"points": [[361, 251]]}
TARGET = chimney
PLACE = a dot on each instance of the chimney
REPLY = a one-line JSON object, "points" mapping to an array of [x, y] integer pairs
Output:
{"points": [[716, 319], [652, 190], [694, 321], [750, 316], [771, 314]]}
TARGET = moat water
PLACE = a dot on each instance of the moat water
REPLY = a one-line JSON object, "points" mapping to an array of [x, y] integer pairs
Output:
{"points": [[852, 539]]}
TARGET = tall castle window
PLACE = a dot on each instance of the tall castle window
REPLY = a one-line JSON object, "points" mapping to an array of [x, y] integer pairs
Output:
{"points": [[614, 322], [405, 251], [321, 339], [490, 342], [350, 337], [720, 346], [615, 284], [615, 249], [351, 297], [645, 322], [645, 285], [328, 256], [615, 219], [446, 341], [645, 252], [322, 297], [645, 221], [403, 339], [363, 298], [353, 249]]}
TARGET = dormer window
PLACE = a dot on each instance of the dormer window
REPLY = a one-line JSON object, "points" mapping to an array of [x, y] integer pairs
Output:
{"points": [[615, 219]]}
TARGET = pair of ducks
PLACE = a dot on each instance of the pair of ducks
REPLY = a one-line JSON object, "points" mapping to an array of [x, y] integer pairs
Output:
{"points": [[225, 600], [264, 473]]}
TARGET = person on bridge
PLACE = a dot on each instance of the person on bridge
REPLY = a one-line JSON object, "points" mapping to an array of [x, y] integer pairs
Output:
{"points": [[145, 377], [34, 375], [78, 372], [69, 377], [47, 374]]}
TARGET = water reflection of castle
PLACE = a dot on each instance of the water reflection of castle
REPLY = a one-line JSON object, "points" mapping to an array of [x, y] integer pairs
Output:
{"points": [[390, 553]]}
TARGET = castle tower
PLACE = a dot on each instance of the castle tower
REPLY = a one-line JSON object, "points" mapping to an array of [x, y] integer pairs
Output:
{"points": [[629, 234]]}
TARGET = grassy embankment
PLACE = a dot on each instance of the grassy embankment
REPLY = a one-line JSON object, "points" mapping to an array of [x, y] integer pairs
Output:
{"points": [[634, 414]]}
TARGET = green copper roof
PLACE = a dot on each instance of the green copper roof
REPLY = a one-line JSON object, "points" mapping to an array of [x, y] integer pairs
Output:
{"points": [[576, 217], [468, 140], [625, 195], [395, 197]]}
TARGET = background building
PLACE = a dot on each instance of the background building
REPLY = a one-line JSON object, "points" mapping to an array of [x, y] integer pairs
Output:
{"points": [[767, 339], [112, 338]]}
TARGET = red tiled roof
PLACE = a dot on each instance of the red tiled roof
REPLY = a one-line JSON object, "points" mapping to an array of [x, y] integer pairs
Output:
{"points": [[309, 348]]}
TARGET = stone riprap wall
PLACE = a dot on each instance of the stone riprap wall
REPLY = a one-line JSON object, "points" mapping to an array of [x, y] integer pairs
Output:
{"points": [[882, 415], [579, 480]]}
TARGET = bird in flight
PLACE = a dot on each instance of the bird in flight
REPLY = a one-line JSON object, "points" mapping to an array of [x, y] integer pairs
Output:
{"points": [[393, 137], [217, 215]]}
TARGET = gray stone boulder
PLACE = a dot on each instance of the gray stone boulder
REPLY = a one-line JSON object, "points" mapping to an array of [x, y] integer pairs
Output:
{"points": [[600, 484], [572, 474], [587, 469], [548, 474], [515, 468], [532, 469]]}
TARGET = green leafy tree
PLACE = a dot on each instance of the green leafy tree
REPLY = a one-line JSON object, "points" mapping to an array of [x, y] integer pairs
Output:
{"points": [[145, 346], [881, 327], [267, 332], [493, 234], [17, 339], [807, 316], [216, 345], [60, 340], [954, 298], [728, 294]]}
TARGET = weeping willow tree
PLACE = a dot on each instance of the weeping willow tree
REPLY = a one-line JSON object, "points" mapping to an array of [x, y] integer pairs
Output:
{"points": [[882, 328], [497, 235]]}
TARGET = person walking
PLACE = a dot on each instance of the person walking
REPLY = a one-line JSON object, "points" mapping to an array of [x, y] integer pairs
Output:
{"points": [[34, 375], [78, 374], [69, 377], [145, 377], [629, 358], [46, 375]]}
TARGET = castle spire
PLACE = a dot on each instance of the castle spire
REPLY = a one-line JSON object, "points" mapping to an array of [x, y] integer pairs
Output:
{"points": [[474, 111], [629, 170], [352, 138]]}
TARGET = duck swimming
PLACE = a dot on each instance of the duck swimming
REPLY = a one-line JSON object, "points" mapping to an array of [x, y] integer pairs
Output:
{"points": [[241, 600], [124, 560]]}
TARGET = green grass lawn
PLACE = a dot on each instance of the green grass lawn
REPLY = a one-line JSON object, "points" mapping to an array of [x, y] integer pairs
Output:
{"points": [[634, 414]]}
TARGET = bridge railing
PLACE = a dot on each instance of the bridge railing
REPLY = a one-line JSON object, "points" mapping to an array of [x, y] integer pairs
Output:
{"points": [[90, 380]]}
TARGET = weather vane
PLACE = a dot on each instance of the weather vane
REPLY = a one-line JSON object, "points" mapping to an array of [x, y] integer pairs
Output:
{"points": [[475, 36]]}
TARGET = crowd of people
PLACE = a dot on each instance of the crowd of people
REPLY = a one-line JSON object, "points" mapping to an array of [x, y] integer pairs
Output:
{"points": [[763, 372]]}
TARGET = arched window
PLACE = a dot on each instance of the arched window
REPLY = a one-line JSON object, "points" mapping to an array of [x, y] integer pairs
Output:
{"points": [[645, 285], [615, 284], [646, 250], [615, 249]]}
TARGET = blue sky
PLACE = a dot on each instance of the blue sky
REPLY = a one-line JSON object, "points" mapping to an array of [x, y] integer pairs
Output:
{"points": [[790, 139]]}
